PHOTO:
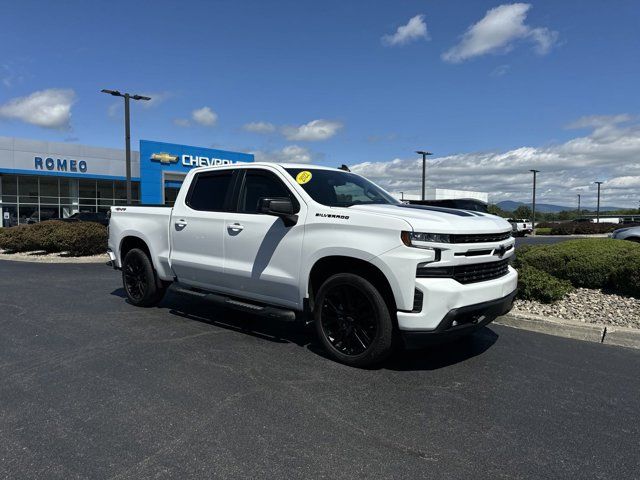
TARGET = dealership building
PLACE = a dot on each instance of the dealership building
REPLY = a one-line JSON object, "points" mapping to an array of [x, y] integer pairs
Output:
{"points": [[46, 180]]}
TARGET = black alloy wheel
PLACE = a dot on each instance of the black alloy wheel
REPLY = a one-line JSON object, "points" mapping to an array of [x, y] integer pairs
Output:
{"points": [[139, 279], [353, 320], [348, 320], [135, 281]]}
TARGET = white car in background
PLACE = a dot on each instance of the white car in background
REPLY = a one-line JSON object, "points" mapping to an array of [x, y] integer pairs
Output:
{"points": [[521, 226], [629, 233]]}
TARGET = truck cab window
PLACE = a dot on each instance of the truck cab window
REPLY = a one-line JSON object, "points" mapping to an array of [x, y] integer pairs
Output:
{"points": [[210, 190], [260, 184]]}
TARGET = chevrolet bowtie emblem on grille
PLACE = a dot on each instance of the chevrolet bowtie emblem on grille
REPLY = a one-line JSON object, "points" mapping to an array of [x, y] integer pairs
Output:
{"points": [[164, 157], [500, 251]]}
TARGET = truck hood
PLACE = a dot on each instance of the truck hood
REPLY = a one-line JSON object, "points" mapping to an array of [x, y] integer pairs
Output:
{"points": [[438, 219]]}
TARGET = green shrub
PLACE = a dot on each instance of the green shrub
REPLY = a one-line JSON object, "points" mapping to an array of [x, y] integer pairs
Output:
{"points": [[77, 238], [625, 279], [534, 284], [588, 263], [580, 228], [543, 230]]}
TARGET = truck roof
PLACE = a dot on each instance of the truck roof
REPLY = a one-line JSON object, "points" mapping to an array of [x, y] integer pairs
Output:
{"points": [[271, 164]]}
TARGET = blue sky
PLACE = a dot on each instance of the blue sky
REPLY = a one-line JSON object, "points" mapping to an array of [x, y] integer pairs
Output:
{"points": [[336, 82]]}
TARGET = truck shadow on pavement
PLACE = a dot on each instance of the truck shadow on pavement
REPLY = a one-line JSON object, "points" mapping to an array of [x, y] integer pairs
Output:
{"points": [[433, 357]]}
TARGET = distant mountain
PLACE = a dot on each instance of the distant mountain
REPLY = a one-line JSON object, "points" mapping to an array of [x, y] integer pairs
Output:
{"points": [[510, 206]]}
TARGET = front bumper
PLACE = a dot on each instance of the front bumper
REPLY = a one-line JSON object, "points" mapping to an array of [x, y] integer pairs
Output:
{"points": [[460, 321], [442, 295]]}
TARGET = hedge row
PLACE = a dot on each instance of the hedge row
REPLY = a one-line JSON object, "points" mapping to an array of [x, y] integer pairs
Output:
{"points": [[76, 238], [579, 228], [598, 263]]}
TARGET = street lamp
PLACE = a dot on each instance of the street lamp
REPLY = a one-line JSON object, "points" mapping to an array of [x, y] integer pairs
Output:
{"points": [[127, 132], [598, 207], [424, 166], [533, 204], [578, 204]]}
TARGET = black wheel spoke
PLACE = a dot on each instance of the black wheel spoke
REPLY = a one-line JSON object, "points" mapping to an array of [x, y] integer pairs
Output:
{"points": [[348, 320]]}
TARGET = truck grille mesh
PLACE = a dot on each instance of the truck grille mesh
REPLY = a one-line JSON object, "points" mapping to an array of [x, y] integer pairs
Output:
{"points": [[480, 272], [480, 237]]}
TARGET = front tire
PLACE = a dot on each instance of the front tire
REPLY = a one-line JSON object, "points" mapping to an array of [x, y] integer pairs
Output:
{"points": [[353, 321], [139, 279]]}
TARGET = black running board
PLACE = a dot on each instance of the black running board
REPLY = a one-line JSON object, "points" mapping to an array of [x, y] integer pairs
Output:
{"points": [[268, 311]]}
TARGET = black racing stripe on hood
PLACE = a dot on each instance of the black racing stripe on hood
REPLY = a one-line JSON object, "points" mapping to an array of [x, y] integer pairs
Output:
{"points": [[450, 211]]}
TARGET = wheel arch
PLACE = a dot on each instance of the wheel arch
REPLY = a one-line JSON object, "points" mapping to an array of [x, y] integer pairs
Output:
{"points": [[330, 265], [130, 242]]}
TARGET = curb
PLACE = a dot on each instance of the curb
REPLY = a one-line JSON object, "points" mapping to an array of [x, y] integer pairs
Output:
{"points": [[606, 334], [50, 260]]}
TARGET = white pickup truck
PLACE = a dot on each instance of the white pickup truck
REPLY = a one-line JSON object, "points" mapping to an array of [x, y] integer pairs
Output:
{"points": [[280, 240]]}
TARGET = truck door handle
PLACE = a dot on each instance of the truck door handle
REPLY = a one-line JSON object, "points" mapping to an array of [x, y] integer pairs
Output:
{"points": [[236, 227], [180, 224]]}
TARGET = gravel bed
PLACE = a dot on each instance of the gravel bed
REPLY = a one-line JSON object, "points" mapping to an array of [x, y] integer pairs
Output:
{"points": [[588, 306], [43, 257]]}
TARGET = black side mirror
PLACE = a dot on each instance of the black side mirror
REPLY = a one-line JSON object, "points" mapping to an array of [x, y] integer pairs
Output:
{"points": [[280, 207]]}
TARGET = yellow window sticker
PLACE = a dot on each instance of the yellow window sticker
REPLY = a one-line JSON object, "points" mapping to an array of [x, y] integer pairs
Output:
{"points": [[303, 177]]}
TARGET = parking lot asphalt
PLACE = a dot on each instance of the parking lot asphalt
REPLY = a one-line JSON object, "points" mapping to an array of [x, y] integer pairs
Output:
{"points": [[92, 387], [543, 240]]}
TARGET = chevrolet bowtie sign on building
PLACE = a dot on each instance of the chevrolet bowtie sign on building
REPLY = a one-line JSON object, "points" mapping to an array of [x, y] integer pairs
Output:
{"points": [[163, 166], [164, 157]]}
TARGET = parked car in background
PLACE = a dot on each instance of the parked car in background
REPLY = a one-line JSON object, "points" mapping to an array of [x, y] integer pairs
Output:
{"points": [[97, 217], [629, 233], [45, 214], [521, 226]]}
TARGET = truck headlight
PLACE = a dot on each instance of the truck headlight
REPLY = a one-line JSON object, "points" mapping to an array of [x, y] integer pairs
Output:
{"points": [[423, 240]]}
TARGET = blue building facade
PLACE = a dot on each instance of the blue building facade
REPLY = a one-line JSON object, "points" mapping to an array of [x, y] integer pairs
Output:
{"points": [[42, 180], [164, 165]]}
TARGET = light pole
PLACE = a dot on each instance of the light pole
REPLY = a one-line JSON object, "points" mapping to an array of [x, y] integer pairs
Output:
{"points": [[598, 207], [127, 132], [424, 166], [578, 204], [533, 204]]}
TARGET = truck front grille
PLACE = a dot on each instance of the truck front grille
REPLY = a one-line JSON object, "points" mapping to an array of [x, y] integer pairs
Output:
{"points": [[480, 272], [477, 272], [480, 237]]}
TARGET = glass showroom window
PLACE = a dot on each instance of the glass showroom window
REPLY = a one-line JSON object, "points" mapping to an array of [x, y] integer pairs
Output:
{"points": [[49, 198], [27, 199], [9, 200], [87, 195]]}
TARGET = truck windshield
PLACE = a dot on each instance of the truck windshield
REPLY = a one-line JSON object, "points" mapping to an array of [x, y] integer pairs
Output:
{"points": [[335, 188]]}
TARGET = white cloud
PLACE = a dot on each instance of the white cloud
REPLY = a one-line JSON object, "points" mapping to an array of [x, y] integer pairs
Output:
{"points": [[313, 131], [49, 108], [610, 152], [181, 122], [205, 116], [288, 154], [500, 70], [496, 33], [259, 127], [415, 29]]}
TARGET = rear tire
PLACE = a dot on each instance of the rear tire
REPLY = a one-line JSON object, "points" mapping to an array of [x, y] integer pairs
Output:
{"points": [[139, 279], [353, 321]]}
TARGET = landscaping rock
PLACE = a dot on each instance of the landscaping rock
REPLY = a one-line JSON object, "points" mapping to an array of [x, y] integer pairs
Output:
{"points": [[588, 306]]}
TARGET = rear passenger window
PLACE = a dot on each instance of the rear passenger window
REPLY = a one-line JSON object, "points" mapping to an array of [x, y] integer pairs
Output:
{"points": [[209, 191]]}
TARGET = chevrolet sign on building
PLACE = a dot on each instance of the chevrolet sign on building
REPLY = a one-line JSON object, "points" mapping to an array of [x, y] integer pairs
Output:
{"points": [[163, 166], [42, 180], [164, 157]]}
